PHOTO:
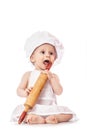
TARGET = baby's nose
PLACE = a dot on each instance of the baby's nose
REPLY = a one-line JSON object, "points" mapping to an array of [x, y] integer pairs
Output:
{"points": [[47, 54]]}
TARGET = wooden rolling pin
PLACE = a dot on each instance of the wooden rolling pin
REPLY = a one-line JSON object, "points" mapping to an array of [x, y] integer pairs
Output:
{"points": [[34, 94]]}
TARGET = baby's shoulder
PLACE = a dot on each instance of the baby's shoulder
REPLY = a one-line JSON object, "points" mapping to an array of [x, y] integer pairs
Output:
{"points": [[26, 74]]}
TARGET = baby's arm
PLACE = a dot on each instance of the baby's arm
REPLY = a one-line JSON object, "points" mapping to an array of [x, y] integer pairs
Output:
{"points": [[55, 82], [22, 88]]}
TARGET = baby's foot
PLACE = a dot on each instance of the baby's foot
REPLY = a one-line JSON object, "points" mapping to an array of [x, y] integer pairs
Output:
{"points": [[34, 119], [51, 119]]}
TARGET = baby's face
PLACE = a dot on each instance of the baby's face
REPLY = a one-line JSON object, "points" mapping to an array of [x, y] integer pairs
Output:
{"points": [[43, 55]]}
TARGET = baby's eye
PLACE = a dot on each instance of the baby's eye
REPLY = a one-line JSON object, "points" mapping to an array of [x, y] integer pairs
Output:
{"points": [[51, 53], [43, 52]]}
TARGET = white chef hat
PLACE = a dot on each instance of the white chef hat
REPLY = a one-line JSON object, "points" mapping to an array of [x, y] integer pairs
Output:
{"points": [[41, 37]]}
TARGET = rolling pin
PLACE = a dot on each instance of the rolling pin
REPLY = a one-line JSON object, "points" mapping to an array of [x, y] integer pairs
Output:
{"points": [[34, 94]]}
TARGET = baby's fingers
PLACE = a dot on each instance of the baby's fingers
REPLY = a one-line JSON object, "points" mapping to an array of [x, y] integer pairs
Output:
{"points": [[28, 90]]}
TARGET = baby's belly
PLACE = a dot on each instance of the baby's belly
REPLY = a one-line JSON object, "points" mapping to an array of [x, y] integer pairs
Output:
{"points": [[45, 102]]}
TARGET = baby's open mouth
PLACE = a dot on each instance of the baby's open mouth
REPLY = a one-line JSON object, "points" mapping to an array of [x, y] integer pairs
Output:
{"points": [[47, 63]]}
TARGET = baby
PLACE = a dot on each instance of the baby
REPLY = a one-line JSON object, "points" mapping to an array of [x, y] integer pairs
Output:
{"points": [[43, 48]]}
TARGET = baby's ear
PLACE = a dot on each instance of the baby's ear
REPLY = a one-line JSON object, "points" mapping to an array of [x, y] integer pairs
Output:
{"points": [[32, 59]]}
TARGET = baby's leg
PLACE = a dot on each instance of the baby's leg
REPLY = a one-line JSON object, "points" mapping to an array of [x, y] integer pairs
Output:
{"points": [[34, 119], [54, 119]]}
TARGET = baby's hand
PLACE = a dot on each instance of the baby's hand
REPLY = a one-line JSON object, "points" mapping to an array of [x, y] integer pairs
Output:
{"points": [[49, 74], [28, 90]]}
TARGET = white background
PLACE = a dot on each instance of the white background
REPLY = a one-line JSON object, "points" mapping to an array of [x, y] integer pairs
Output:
{"points": [[66, 19]]}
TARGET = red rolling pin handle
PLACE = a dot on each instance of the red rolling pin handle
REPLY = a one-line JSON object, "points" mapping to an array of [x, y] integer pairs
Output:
{"points": [[22, 117]]}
